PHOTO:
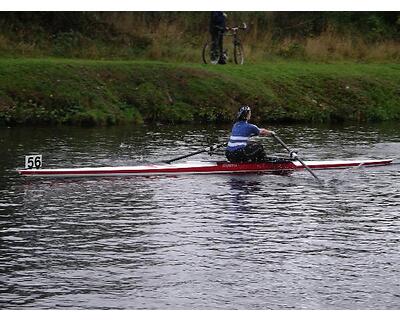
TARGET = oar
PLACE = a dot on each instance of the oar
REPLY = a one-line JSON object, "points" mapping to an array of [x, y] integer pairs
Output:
{"points": [[208, 149], [296, 157]]}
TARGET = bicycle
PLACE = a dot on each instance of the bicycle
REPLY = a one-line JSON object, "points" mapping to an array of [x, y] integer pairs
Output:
{"points": [[210, 57]]}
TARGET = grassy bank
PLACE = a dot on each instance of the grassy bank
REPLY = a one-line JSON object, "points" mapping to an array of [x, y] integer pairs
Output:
{"points": [[84, 92]]}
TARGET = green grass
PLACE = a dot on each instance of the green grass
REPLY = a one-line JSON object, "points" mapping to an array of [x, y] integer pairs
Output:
{"points": [[91, 92]]}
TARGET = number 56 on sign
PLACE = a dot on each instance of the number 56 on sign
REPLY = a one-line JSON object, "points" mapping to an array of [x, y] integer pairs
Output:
{"points": [[33, 161]]}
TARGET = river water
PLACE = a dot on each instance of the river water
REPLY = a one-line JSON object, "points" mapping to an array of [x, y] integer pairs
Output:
{"points": [[199, 242]]}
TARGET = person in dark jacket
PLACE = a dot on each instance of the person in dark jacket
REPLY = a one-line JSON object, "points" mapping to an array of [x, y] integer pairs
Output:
{"points": [[217, 29]]}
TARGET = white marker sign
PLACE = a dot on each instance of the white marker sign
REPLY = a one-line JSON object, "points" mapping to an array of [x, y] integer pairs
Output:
{"points": [[33, 161]]}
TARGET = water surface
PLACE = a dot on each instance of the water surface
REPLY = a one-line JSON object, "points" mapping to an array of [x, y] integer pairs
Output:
{"points": [[199, 242]]}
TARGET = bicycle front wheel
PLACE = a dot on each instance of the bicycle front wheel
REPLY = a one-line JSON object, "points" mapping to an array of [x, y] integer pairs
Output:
{"points": [[209, 57], [238, 53]]}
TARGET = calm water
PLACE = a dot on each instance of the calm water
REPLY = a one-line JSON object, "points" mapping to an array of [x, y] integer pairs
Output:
{"points": [[199, 242]]}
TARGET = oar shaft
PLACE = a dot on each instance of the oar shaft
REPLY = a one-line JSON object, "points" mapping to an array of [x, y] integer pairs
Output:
{"points": [[281, 142], [295, 156], [307, 168], [211, 148], [185, 156]]}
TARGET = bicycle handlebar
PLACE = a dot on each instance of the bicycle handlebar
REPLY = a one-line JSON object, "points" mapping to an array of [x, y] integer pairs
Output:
{"points": [[243, 27]]}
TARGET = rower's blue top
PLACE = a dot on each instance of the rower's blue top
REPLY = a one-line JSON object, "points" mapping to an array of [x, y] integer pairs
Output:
{"points": [[241, 132]]}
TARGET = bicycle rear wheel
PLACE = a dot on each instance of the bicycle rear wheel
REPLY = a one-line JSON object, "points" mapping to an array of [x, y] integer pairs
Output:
{"points": [[209, 57], [238, 53]]}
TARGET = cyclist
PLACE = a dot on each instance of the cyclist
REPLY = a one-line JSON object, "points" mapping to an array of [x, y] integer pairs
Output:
{"points": [[239, 148], [217, 29]]}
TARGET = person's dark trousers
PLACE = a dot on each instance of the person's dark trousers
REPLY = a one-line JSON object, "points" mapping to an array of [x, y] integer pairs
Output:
{"points": [[217, 43], [253, 152]]}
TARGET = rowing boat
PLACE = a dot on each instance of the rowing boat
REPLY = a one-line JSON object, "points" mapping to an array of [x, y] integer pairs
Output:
{"points": [[201, 167]]}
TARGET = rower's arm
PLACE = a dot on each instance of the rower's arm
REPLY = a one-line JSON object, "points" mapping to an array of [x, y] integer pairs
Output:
{"points": [[265, 132]]}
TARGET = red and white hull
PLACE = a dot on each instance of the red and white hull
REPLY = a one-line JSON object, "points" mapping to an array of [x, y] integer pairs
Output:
{"points": [[199, 167]]}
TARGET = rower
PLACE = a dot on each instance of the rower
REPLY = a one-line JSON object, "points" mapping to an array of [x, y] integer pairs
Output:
{"points": [[239, 148]]}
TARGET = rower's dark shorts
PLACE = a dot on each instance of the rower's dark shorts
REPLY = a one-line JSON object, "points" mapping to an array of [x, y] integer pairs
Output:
{"points": [[253, 152]]}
